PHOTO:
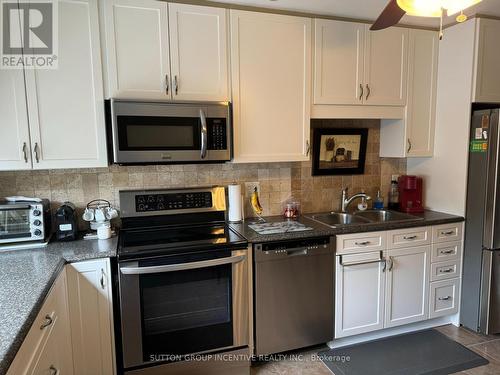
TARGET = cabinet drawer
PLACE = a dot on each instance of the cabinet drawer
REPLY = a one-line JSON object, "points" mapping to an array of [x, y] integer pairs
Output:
{"points": [[445, 270], [444, 297], [409, 237], [446, 251], [361, 242], [447, 232]]}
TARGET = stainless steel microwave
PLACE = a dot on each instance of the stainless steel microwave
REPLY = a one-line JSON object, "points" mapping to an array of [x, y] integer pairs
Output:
{"points": [[145, 132]]}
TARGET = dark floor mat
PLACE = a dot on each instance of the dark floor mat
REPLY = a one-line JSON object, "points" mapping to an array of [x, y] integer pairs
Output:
{"points": [[426, 352]]}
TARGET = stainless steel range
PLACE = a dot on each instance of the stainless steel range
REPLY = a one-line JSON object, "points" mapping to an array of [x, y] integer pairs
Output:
{"points": [[183, 283]]}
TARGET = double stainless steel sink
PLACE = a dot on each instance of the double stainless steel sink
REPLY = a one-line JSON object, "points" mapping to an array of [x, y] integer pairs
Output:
{"points": [[335, 219]]}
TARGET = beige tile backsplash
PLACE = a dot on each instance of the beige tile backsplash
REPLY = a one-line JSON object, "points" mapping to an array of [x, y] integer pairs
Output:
{"points": [[279, 182]]}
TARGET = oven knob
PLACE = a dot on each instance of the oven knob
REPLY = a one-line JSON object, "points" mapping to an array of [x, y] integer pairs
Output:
{"points": [[151, 199], [37, 223], [36, 212], [141, 207], [37, 232]]}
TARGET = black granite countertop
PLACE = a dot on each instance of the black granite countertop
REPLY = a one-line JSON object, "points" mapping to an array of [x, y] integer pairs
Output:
{"points": [[26, 277], [424, 219]]}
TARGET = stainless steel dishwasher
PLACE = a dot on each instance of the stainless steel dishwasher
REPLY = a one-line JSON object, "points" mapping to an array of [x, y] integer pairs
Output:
{"points": [[294, 294]]}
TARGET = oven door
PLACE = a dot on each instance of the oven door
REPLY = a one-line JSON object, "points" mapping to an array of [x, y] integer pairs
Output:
{"points": [[15, 223], [183, 304], [149, 132]]}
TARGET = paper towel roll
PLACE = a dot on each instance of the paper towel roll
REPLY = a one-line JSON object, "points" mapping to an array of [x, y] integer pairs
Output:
{"points": [[235, 203]]}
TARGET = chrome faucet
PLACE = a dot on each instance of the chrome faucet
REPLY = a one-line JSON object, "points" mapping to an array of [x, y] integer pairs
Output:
{"points": [[346, 201]]}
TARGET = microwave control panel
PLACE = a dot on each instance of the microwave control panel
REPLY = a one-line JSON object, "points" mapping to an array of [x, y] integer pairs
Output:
{"points": [[172, 201], [217, 133]]}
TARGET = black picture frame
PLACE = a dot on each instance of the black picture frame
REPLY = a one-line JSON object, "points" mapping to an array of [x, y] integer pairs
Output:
{"points": [[341, 163]]}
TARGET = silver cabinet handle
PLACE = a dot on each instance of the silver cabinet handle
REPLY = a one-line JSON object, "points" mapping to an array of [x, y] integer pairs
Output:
{"points": [[362, 92], [410, 238], [176, 85], [48, 321], [368, 91], [35, 150], [447, 298], [53, 370], [167, 84], [409, 145], [182, 266], [362, 243], [391, 263], [447, 251], [103, 279], [447, 270], [308, 148], [25, 154], [204, 134], [448, 233]]}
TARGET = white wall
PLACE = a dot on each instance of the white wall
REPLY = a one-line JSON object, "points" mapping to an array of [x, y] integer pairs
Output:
{"points": [[445, 174]]}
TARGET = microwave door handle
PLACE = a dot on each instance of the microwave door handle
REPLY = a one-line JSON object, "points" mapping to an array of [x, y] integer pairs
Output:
{"points": [[204, 136], [182, 266]]}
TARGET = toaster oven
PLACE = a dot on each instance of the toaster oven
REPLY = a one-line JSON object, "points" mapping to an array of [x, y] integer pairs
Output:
{"points": [[24, 221]]}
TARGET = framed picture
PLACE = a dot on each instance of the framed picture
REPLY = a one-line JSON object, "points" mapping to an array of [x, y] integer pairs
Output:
{"points": [[339, 151]]}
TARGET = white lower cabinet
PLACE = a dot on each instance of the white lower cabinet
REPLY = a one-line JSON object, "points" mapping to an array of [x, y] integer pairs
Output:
{"points": [[363, 310], [91, 317], [407, 285], [396, 284]]}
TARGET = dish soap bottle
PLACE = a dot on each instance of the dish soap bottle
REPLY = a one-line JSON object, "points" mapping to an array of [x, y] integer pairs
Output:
{"points": [[378, 203], [394, 194]]}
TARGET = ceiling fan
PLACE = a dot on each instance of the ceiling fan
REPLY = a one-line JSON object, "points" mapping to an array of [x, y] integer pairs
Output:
{"points": [[396, 9]]}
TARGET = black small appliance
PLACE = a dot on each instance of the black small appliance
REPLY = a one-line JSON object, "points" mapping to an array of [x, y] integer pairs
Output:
{"points": [[66, 225]]}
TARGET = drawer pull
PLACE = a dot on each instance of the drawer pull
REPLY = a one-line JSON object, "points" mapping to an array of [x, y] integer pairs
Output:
{"points": [[447, 251], [447, 298], [447, 232], [410, 238], [362, 243], [48, 321], [54, 370], [448, 270]]}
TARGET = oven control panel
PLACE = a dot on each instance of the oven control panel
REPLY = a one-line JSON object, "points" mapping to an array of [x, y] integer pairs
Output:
{"points": [[172, 201]]}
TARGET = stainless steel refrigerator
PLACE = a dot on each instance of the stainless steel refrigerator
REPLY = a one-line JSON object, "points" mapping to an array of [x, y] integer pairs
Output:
{"points": [[480, 306]]}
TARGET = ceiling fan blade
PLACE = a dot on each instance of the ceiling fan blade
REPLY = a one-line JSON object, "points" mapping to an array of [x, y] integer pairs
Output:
{"points": [[390, 16]]}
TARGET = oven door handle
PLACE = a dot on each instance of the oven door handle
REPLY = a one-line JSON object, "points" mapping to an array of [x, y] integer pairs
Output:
{"points": [[182, 266], [204, 135]]}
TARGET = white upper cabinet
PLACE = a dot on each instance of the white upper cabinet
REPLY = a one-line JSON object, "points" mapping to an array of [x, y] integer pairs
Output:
{"points": [[422, 82], [386, 64], [137, 49], [338, 62], [271, 86], [155, 50], [487, 62], [66, 105], [354, 66], [407, 285], [14, 134], [198, 47]]}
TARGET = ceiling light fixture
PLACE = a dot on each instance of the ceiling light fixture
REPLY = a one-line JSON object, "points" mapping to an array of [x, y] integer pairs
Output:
{"points": [[433, 8]]}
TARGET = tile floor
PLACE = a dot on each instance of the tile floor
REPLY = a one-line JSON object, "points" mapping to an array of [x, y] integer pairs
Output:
{"points": [[486, 346]]}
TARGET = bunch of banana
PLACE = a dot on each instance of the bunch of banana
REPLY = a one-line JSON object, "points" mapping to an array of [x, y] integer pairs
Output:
{"points": [[254, 200]]}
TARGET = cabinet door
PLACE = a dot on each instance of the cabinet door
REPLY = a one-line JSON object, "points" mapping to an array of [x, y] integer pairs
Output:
{"points": [[137, 49], [386, 66], [271, 70], [14, 132], [338, 62], [91, 317], [422, 82], [487, 61], [359, 294], [198, 46], [407, 299], [66, 105]]}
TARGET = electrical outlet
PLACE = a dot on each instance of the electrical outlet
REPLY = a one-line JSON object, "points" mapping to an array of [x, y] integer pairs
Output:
{"points": [[250, 187]]}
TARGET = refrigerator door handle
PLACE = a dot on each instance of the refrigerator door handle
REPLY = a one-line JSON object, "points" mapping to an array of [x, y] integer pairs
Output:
{"points": [[491, 237]]}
